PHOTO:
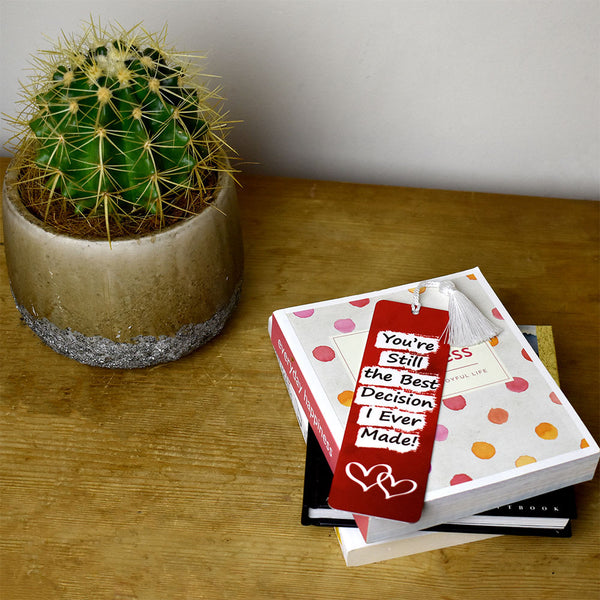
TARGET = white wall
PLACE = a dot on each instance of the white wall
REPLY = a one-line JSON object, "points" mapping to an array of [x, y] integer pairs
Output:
{"points": [[486, 95]]}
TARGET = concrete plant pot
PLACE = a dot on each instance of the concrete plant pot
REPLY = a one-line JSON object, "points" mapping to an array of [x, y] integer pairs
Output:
{"points": [[134, 302]]}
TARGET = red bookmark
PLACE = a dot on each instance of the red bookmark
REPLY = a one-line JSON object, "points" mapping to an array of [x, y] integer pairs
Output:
{"points": [[385, 457]]}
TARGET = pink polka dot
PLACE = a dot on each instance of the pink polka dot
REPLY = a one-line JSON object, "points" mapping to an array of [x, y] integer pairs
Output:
{"points": [[441, 433], [497, 314], [525, 355], [360, 303], [460, 478], [555, 398], [304, 314], [497, 416], [344, 325], [518, 384], [323, 353], [455, 402]]}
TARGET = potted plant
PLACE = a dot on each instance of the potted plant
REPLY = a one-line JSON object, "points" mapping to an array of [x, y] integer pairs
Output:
{"points": [[121, 225]]}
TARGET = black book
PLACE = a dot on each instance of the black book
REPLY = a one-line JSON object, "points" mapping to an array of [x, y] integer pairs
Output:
{"points": [[546, 515]]}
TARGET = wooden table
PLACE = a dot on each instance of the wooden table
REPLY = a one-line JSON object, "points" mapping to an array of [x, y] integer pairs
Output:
{"points": [[184, 481]]}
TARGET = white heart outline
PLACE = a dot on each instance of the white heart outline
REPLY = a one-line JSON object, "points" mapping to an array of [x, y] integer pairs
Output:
{"points": [[366, 473], [394, 483]]}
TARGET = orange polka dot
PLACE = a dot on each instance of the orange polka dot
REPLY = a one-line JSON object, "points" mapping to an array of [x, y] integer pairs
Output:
{"points": [[547, 431], [494, 341], [421, 290], [497, 416], [345, 397], [483, 450], [472, 277], [524, 460], [584, 444]]}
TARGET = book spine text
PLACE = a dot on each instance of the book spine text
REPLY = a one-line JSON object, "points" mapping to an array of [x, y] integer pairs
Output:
{"points": [[304, 394]]}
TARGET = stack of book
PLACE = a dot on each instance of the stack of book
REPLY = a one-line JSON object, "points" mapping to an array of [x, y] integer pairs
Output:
{"points": [[509, 446]]}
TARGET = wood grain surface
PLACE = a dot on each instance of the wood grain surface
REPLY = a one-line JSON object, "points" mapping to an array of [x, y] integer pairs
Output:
{"points": [[184, 481]]}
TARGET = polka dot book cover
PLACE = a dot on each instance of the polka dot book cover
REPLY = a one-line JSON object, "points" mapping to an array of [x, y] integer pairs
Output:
{"points": [[505, 431]]}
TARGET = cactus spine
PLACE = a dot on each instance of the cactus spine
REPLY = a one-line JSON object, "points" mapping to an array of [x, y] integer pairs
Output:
{"points": [[118, 125]]}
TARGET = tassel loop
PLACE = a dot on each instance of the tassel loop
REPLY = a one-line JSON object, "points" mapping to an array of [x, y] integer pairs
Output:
{"points": [[466, 325]]}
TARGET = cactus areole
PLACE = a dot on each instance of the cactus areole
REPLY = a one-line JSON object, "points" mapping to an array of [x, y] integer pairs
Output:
{"points": [[121, 225]]}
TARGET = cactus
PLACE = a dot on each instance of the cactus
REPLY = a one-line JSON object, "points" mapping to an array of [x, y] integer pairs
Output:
{"points": [[118, 126]]}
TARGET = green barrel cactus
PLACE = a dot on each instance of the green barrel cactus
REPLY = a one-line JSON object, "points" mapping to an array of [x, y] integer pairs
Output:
{"points": [[119, 126]]}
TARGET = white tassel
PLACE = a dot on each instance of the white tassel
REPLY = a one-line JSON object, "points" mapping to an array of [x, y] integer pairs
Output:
{"points": [[466, 325]]}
